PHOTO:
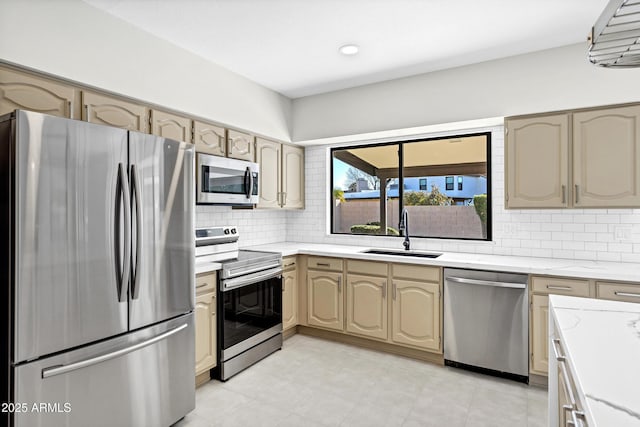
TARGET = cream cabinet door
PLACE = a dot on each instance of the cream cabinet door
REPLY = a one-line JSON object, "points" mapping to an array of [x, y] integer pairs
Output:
{"points": [[240, 145], [205, 318], [416, 314], [539, 334], [170, 126], [367, 306], [268, 156], [110, 111], [606, 156], [325, 306], [210, 139], [289, 299], [292, 177], [537, 161], [24, 91]]}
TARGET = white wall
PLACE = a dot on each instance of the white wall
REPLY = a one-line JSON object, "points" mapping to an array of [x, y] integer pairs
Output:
{"points": [[549, 80], [589, 234], [74, 40]]}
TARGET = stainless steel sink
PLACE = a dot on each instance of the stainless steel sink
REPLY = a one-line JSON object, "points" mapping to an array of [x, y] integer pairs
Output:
{"points": [[402, 253]]}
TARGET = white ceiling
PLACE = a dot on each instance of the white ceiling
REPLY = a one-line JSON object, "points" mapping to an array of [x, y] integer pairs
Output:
{"points": [[291, 46]]}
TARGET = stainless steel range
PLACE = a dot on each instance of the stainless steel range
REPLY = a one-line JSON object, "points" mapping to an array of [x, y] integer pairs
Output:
{"points": [[249, 299]]}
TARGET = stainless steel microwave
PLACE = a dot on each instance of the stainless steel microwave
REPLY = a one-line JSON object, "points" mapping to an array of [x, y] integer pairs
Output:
{"points": [[224, 181]]}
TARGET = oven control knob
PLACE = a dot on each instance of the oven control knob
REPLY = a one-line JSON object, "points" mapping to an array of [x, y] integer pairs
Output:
{"points": [[233, 231], [226, 231]]}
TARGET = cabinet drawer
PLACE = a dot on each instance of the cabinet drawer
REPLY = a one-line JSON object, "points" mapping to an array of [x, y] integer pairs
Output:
{"points": [[556, 285], [618, 291], [322, 263], [367, 267], [205, 282], [289, 262], [416, 272]]}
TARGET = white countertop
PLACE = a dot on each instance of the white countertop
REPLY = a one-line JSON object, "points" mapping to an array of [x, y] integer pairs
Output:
{"points": [[529, 265], [602, 344]]}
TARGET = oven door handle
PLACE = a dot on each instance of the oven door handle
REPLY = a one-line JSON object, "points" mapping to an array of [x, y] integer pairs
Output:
{"points": [[248, 279], [243, 271]]}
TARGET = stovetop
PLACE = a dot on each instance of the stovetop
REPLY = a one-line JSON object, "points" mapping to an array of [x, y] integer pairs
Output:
{"points": [[220, 244]]}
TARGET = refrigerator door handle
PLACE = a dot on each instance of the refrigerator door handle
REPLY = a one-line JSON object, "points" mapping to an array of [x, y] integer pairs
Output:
{"points": [[135, 194], [123, 264], [63, 369]]}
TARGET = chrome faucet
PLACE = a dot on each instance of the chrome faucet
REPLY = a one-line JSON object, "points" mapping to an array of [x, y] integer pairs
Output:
{"points": [[404, 226]]}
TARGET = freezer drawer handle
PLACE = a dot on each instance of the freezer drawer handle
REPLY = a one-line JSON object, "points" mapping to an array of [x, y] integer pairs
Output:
{"points": [[63, 369], [487, 283]]}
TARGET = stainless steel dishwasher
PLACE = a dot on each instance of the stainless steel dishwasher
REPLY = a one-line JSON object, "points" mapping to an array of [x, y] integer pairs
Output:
{"points": [[486, 322]]}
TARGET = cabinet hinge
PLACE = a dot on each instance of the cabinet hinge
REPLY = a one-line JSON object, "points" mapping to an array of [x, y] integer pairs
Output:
{"points": [[150, 127], [531, 306], [531, 357], [506, 131], [507, 196], [193, 135]]}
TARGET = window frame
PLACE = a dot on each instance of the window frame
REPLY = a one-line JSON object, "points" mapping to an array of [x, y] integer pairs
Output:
{"points": [[400, 145], [449, 182]]}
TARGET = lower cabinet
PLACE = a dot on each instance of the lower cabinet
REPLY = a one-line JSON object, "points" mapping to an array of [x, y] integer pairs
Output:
{"points": [[416, 314], [325, 303], [398, 304], [541, 288], [367, 306], [289, 293], [570, 407], [205, 319], [539, 330]]}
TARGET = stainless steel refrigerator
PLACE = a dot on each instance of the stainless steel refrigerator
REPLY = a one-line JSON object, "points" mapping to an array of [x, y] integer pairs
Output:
{"points": [[97, 248]]}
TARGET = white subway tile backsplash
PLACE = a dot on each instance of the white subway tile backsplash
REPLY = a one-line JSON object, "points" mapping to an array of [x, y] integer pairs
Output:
{"points": [[585, 234]]}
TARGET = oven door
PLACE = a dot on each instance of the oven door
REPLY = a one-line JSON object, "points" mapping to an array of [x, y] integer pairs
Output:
{"points": [[226, 181], [251, 307]]}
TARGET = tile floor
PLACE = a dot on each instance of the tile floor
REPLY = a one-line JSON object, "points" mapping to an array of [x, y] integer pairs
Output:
{"points": [[312, 382]]}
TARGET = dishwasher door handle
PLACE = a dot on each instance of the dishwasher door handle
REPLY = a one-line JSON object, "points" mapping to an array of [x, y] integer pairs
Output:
{"points": [[486, 283]]}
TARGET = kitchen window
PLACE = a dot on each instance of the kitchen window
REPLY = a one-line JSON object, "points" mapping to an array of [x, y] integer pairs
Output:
{"points": [[372, 184]]}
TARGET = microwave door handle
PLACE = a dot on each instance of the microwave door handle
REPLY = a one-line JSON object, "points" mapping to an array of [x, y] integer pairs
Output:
{"points": [[248, 182]]}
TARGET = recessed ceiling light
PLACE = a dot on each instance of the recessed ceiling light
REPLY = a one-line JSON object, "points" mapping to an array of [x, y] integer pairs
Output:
{"points": [[349, 49]]}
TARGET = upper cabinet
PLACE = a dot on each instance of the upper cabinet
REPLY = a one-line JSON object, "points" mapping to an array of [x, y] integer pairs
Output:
{"points": [[292, 177], [27, 92], [281, 175], [581, 159], [536, 169], [209, 138], [170, 126], [269, 154], [606, 158], [106, 110], [240, 145]]}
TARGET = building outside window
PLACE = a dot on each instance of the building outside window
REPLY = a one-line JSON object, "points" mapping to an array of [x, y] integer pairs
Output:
{"points": [[459, 183], [423, 184]]}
